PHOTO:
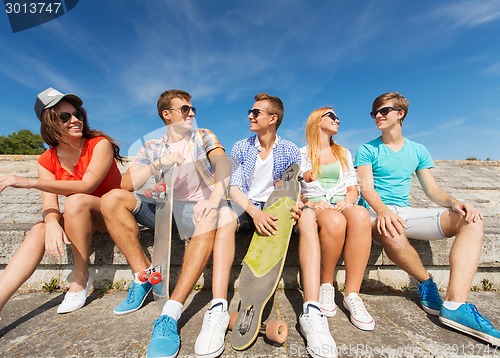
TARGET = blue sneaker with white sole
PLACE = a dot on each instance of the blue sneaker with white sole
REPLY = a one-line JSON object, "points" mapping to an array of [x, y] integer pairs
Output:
{"points": [[467, 319], [165, 341], [136, 296], [429, 297]]}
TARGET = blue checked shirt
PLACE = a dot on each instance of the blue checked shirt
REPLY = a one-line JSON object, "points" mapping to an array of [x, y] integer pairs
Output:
{"points": [[244, 156]]}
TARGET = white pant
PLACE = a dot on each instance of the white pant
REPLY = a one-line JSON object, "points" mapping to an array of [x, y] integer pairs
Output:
{"points": [[421, 223]]}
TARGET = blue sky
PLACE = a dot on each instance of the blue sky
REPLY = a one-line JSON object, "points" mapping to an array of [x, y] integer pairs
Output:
{"points": [[444, 56]]}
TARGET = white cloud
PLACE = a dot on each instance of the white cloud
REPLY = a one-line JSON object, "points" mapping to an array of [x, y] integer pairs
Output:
{"points": [[493, 69], [468, 13], [295, 135]]}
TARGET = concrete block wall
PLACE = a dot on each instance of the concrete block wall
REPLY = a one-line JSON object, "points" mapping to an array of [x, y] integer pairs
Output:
{"points": [[475, 181]]}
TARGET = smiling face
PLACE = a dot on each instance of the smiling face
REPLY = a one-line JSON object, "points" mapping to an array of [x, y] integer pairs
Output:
{"points": [[174, 116], [389, 109], [387, 115], [329, 122], [261, 117], [73, 128], [64, 122]]}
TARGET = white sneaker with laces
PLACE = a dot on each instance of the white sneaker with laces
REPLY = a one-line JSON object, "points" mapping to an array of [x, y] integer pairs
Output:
{"points": [[359, 315], [75, 300], [327, 300], [210, 341], [314, 327]]}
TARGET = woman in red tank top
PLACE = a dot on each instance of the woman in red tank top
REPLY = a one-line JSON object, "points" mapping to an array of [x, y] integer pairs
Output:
{"points": [[80, 165]]}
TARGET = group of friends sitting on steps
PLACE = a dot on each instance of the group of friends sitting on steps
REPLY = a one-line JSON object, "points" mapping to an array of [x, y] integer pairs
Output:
{"points": [[345, 203]]}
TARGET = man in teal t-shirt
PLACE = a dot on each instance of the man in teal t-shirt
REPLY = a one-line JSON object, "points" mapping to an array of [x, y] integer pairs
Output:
{"points": [[393, 169], [385, 169]]}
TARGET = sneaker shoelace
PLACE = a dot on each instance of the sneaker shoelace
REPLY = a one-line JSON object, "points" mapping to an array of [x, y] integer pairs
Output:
{"points": [[317, 322], [480, 319], [164, 327], [428, 292], [326, 295], [213, 320], [131, 290], [357, 306]]}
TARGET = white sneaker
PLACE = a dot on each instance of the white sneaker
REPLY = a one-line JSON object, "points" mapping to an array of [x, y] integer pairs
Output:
{"points": [[359, 315], [210, 341], [327, 300], [75, 300], [314, 327]]}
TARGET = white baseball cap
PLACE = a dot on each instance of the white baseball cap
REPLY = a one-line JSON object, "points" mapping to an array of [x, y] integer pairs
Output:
{"points": [[50, 97]]}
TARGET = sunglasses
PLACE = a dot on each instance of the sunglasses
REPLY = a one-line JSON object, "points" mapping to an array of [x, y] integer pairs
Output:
{"points": [[383, 111], [332, 116], [66, 116], [256, 112], [184, 109]]}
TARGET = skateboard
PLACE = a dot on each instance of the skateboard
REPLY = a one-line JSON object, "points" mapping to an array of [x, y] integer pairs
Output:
{"points": [[262, 268], [159, 273]]}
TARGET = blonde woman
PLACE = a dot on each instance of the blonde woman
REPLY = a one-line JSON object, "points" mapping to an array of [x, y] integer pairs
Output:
{"points": [[332, 221]]}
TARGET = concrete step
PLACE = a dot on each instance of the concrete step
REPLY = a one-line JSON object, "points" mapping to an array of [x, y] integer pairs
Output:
{"points": [[475, 181], [110, 267]]}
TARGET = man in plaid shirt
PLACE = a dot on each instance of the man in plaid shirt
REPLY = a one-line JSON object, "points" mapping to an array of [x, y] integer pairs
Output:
{"points": [[200, 182], [258, 164]]}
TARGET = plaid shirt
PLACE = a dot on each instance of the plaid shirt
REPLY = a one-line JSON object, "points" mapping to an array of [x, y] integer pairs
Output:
{"points": [[201, 141], [244, 156]]}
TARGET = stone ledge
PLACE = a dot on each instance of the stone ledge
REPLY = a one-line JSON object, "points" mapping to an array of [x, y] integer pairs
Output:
{"points": [[110, 266], [104, 252], [475, 181]]}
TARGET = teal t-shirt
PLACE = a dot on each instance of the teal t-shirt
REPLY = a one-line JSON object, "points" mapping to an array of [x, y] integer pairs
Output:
{"points": [[393, 171]]}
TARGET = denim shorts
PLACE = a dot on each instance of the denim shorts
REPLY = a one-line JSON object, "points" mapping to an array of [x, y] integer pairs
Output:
{"points": [[421, 223], [245, 221], [183, 215]]}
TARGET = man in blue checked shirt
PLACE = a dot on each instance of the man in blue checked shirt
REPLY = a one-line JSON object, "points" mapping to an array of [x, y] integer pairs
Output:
{"points": [[258, 163]]}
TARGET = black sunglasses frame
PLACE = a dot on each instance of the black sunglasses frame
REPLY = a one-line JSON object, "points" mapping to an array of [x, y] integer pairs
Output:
{"points": [[256, 112], [64, 117], [185, 109], [332, 116], [383, 111]]}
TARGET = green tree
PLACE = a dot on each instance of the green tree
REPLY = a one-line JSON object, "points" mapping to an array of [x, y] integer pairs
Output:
{"points": [[22, 142]]}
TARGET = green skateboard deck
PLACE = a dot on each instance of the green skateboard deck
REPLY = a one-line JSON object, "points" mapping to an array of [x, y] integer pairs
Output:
{"points": [[264, 261]]}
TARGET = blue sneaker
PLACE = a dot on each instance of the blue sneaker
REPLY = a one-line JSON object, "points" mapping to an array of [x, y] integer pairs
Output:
{"points": [[467, 319], [137, 293], [429, 297], [165, 341]]}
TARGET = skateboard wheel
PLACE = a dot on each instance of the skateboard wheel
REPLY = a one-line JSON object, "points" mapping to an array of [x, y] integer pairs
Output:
{"points": [[148, 193], [143, 276], [232, 319], [277, 331], [160, 187], [155, 278]]}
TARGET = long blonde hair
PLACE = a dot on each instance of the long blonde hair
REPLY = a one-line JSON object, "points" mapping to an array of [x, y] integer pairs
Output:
{"points": [[313, 142]]}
